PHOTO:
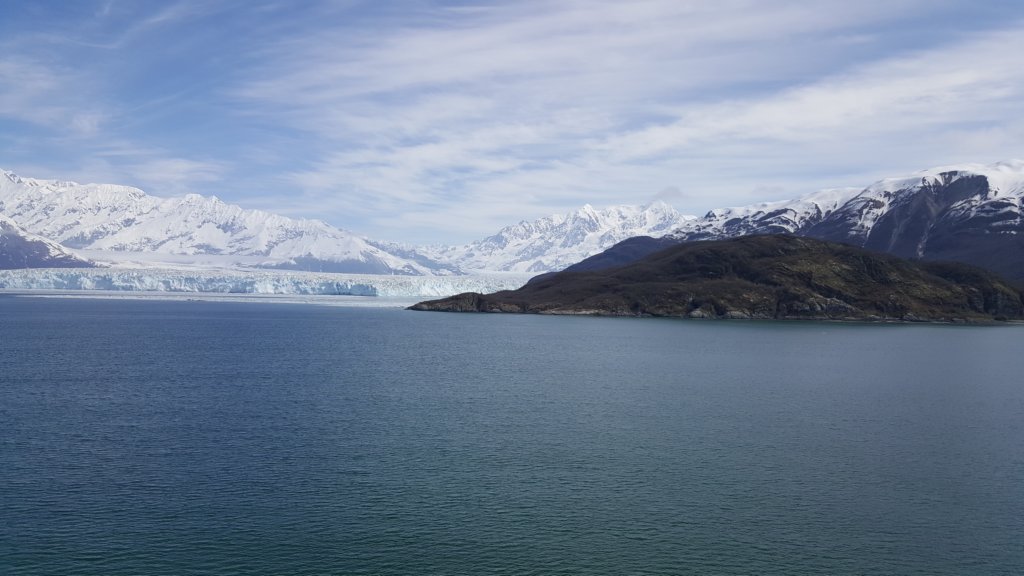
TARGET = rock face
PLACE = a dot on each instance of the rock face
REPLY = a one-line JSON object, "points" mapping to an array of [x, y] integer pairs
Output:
{"points": [[957, 215], [22, 249], [762, 277]]}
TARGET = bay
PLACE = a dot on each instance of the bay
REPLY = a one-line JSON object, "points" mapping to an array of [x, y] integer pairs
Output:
{"points": [[153, 437]]}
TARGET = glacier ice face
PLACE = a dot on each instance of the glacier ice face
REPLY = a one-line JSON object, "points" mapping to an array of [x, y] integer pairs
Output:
{"points": [[254, 282]]}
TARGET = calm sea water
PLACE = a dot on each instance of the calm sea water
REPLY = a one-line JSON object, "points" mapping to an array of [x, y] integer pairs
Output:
{"points": [[148, 437]]}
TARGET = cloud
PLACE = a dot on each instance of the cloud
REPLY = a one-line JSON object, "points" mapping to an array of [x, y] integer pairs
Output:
{"points": [[975, 81], [559, 103], [176, 173], [397, 119], [33, 93], [670, 194], [155, 170]]}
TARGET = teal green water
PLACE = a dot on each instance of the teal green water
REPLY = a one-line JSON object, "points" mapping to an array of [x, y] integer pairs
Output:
{"points": [[142, 437]]}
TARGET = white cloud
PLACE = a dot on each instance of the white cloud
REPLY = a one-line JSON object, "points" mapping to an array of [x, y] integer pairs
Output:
{"points": [[176, 173], [547, 105], [417, 121], [31, 92], [976, 81]]}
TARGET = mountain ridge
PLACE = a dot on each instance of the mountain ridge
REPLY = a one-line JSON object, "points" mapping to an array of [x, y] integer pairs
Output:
{"points": [[122, 220], [125, 219], [553, 242], [965, 213]]}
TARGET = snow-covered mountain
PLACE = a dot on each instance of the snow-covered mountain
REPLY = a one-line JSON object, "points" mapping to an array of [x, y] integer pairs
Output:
{"points": [[554, 242], [968, 213], [781, 217], [124, 219], [19, 248], [990, 195], [125, 224]]}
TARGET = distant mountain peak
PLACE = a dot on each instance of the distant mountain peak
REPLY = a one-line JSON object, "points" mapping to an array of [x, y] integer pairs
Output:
{"points": [[557, 241]]}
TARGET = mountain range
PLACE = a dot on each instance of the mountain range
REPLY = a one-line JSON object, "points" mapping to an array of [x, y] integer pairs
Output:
{"points": [[969, 213], [112, 222]]}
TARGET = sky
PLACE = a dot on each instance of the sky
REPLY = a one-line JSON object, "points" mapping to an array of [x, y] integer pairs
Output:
{"points": [[426, 121]]}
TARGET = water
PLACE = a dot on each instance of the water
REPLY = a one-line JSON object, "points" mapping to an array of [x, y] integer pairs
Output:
{"points": [[142, 437]]}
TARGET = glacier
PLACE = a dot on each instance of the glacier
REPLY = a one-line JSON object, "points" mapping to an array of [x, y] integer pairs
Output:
{"points": [[262, 282]]}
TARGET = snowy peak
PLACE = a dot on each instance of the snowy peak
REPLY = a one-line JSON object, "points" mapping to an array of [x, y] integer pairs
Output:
{"points": [[556, 241], [1005, 177]]}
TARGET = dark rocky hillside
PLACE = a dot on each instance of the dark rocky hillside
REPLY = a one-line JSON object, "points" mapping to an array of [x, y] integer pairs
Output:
{"points": [[941, 220], [762, 277], [21, 249]]}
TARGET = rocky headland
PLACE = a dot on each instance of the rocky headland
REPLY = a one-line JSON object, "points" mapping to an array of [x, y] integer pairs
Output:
{"points": [[762, 277]]}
